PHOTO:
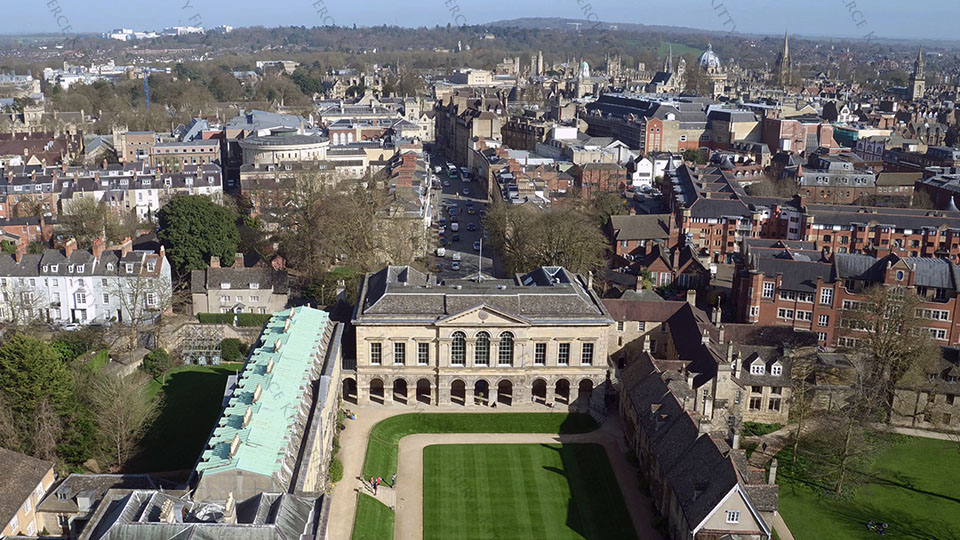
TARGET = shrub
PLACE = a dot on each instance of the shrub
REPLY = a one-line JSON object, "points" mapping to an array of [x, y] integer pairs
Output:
{"points": [[758, 429], [230, 350], [243, 319], [336, 470]]}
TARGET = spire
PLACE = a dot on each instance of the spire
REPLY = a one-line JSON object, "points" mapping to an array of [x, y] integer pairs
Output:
{"points": [[918, 65], [670, 59], [786, 44]]}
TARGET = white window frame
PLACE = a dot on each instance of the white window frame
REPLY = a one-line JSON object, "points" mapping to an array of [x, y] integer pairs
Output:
{"points": [[733, 516]]}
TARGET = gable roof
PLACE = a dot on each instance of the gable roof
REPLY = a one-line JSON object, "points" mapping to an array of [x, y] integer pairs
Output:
{"points": [[21, 475]]}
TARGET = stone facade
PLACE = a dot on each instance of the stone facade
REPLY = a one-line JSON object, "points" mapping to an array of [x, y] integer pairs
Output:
{"points": [[537, 337]]}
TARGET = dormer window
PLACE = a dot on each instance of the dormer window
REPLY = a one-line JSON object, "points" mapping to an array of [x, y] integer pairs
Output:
{"points": [[899, 275], [70, 269], [254, 285], [46, 268], [129, 268], [151, 266], [55, 268], [756, 369], [110, 266], [776, 370], [224, 285], [79, 268]]}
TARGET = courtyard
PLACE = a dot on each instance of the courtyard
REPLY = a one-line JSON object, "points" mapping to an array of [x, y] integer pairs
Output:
{"points": [[521, 491]]}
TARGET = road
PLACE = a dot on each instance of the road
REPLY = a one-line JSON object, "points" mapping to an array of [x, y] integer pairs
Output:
{"points": [[453, 196]]}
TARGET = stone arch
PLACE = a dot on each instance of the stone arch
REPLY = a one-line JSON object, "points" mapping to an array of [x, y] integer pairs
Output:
{"points": [[376, 390], [505, 392], [400, 390], [481, 392], [458, 392], [349, 391], [424, 391], [539, 391], [584, 393], [562, 391]]}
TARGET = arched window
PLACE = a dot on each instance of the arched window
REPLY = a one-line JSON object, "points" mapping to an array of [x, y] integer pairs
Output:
{"points": [[481, 351], [458, 349], [505, 352]]}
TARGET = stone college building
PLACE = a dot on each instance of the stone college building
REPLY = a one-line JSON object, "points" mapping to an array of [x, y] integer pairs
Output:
{"points": [[540, 336]]}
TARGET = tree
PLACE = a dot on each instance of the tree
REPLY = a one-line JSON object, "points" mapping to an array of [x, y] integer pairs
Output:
{"points": [[194, 228], [695, 156], [157, 363], [801, 371], [880, 324], [124, 410], [87, 219], [527, 238], [143, 298]]}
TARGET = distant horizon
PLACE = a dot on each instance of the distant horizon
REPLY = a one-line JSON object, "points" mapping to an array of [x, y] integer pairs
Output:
{"points": [[881, 19]]}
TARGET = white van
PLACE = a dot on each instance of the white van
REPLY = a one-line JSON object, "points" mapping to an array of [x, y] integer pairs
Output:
{"points": [[454, 227], [441, 252]]}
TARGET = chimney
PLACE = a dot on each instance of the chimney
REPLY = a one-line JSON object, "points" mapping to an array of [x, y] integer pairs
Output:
{"points": [[214, 261], [717, 314], [772, 479], [20, 252], [720, 332], [692, 297], [705, 337], [590, 280], [238, 260], [704, 425], [98, 246], [646, 344], [69, 247], [127, 246], [675, 259]]}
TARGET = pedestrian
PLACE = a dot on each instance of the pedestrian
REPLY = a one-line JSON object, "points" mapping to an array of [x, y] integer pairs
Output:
{"points": [[764, 447], [393, 480], [373, 484], [379, 481]]}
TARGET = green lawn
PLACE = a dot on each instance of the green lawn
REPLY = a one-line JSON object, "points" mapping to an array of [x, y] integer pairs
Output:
{"points": [[377, 522], [522, 492], [381, 458], [192, 405], [911, 485], [97, 361]]}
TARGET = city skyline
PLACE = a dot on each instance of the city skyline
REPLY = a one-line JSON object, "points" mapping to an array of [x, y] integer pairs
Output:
{"points": [[818, 18]]}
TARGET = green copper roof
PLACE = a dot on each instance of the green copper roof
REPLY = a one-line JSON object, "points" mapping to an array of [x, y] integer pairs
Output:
{"points": [[264, 440]]}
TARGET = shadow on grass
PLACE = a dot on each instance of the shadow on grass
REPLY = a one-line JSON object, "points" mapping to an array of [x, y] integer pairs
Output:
{"points": [[191, 407], [596, 509], [901, 524]]}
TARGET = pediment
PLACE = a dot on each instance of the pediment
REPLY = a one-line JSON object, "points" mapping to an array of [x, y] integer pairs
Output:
{"points": [[482, 315]]}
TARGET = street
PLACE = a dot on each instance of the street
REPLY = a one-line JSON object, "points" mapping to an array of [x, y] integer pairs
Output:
{"points": [[453, 197]]}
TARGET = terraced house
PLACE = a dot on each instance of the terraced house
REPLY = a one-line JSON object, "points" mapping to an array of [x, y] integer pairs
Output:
{"points": [[540, 336]]}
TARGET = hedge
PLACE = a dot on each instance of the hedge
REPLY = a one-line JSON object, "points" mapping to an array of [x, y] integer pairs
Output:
{"points": [[243, 319]]}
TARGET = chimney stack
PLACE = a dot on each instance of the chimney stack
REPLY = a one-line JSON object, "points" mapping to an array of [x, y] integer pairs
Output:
{"points": [[69, 247], [238, 260], [692, 297], [127, 246], [590, 280], [214, 261], [98, 246], [773, 472]]}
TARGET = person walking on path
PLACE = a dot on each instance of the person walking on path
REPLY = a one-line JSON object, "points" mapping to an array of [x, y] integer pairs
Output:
{"points": [[393, 480]]}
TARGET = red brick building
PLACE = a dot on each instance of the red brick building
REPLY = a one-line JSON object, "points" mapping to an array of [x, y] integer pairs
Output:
{"points": [[807, 295], [595, 178], [24, 230]]}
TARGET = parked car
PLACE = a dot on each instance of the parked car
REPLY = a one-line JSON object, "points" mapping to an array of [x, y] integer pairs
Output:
{"points": [[443, 241], [71, 327], [456, 255], [455, 227], [476, 246], [446, 183], [456, 237], [455, 266], [471, 227], [441, 252], [466, 191], [469, 202], [443, 229], [471, 211]]}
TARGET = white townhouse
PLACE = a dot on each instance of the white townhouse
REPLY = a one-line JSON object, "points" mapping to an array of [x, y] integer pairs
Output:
{"points": [[78, 286]]}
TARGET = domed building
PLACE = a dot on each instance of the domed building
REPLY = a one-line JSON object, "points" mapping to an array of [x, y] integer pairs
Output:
{"points": [[713, 76]]}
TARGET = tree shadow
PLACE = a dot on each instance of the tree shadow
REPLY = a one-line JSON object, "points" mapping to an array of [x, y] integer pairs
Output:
{"points": [[902, 524]]}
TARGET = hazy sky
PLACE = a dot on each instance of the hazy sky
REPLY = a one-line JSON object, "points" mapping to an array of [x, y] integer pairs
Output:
{"points": [[886, 18]]}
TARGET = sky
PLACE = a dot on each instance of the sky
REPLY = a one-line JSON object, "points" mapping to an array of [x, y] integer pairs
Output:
{"points": [[933, 19]]}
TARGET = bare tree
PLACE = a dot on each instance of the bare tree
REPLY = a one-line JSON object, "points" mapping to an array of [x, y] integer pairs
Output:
{"points": [[23, 303], [143, 300], [801, 395], [124, 411], [47, 432]]}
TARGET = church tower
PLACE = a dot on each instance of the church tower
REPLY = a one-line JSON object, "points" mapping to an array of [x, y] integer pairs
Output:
{"points": [[917, 83], [784, 64]]}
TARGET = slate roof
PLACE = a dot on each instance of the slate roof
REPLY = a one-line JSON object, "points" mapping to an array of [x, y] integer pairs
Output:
{"points": [[267, 279], [641, 227], [96, 486], [21, 475], [929, 272], [699, 471], [547, 294], [797, 275]]}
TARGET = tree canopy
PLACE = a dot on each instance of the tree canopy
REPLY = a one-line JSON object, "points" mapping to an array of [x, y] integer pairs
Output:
{"points": [[193, 228]]}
